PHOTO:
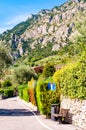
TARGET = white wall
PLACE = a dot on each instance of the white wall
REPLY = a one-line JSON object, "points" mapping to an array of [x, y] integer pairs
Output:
{"points": [[77, 110]]}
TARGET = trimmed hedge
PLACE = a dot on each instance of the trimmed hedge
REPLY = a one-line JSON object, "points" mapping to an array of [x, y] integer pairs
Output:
{"points": [[72, 79], [45, 97], [7, 92], [26, 94], [32, 91], [23, 92]]}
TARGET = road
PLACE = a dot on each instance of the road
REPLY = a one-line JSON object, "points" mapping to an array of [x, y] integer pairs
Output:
{"points": [[14, 116]]}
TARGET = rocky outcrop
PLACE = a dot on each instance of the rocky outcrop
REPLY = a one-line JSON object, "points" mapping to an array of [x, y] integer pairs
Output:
{"points": [[55, 26], [16, 45], [58, 23]]}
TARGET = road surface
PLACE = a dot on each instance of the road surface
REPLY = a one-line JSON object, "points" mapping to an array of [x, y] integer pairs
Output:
{"points": [[14, 116]]}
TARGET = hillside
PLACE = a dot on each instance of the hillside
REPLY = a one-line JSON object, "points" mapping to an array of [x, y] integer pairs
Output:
{"points": [[47, 32]]}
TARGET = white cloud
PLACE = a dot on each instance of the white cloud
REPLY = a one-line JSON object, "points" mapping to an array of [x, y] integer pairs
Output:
{"points": [[14, 21], [17, 19], [2, 29]]}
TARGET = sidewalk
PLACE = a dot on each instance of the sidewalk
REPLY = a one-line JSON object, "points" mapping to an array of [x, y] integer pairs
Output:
{"points": [[48, 123]]}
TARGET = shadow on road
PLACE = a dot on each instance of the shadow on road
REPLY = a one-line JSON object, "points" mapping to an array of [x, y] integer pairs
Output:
{"points": [[17, 112]]}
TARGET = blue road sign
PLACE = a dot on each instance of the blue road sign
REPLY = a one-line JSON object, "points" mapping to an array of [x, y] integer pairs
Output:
{"points": [[51, 86]]}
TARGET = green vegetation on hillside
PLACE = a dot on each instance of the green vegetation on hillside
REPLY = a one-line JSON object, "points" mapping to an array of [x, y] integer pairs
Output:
{"points": [[18, 29], [5, 60], [40, 53]]}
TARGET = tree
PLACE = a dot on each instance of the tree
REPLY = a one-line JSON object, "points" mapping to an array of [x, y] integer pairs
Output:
{"points": [[5, 59], [23, 74], [49, 70]]}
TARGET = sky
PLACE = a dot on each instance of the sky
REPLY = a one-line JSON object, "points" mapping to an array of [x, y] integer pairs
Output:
{"points": [[13, 12]]}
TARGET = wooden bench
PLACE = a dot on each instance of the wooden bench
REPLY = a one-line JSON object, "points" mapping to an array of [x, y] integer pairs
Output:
{"points": [[62, 114]]}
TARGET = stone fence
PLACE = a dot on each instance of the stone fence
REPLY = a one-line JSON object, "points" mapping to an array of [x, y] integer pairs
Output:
{"points": [[77, 110]]}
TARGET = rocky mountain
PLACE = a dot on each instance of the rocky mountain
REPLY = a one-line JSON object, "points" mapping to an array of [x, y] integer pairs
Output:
{"points": [[54, 27]]}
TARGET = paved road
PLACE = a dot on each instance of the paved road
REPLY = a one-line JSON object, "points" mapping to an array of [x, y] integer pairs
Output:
{"points": [[16, 114], [13, 116]]}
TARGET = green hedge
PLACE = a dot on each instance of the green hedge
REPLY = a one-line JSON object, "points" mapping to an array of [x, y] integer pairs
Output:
{"points": [[20, 90], [23, 92], [26, 94], [6, 83], [45, 97], [48, 70], [9, 92], [1, 90], [32, 91], [72, 79]]}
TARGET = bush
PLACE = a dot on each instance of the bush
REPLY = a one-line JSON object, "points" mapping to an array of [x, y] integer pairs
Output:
{"points": [[72, 79], [8, 92], [20, 90], [0, 84], [6, 83], [45, 97], [26, 94], [32, 91], [23, 92], [1, 90], [49, 70], [32, 96], [23, 74]]}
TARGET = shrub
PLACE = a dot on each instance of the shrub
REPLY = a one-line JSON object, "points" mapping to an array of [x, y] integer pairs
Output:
{"points": [[45, 97], [49, 70], [0, 84], [7, 83], [72, 79], [32, 96], [20, 90], [8, 92], [32, 91], [26, 94], [1, 90], [23, 74], [23, 92]]}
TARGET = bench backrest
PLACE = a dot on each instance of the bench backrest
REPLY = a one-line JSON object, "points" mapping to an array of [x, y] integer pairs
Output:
{"points": [[64, 112]]}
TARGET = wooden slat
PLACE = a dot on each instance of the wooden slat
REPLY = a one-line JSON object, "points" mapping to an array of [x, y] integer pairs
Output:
{"points": [[63, 113]]}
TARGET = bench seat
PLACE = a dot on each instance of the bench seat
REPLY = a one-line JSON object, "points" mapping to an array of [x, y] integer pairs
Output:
{"points": [[63, 114], [58, 115]]}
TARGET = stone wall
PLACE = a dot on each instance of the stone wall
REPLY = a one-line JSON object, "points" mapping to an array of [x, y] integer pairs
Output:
{"points": [[77, 108]]}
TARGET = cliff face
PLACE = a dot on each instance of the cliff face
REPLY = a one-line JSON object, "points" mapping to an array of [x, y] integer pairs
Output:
{"points": [[56, 27]]}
